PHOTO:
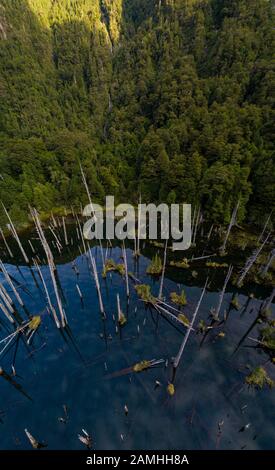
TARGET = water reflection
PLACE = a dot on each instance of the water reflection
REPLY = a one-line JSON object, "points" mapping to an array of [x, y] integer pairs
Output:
{"points": [[87, 368]]}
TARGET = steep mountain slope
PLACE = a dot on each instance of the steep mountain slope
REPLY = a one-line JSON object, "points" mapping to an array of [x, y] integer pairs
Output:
{"points": [[170, 97]]}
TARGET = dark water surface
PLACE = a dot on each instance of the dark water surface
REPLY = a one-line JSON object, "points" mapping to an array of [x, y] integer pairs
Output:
{"points": [[75, 368]]}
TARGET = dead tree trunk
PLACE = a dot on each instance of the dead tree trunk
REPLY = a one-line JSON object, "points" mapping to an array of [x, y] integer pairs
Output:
{"points": [[101, 307], [9, 281], [126, 269], [92, 208], [6, 243], [178, 357], [269, 263], [228, 276], [251, 261], [265, 226], [51, 264], [163, 271], [231, 224], [13, 230]]}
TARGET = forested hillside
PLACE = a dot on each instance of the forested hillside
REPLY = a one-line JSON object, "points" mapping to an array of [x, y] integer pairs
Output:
{"points": [[170, 98]]}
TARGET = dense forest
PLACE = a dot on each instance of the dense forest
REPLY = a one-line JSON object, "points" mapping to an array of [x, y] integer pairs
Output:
{"points": [[173, 99]]}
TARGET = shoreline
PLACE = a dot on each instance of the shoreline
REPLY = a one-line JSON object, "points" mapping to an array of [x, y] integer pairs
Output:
{"points": [[188, 265]]}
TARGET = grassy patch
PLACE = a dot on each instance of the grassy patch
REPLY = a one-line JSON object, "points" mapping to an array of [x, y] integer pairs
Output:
{"points": [[144, 292], [259, 378], [155, 267], [178, 299]]}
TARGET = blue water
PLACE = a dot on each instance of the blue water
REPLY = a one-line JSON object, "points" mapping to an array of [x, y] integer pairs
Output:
{"points": [[75, 367]]}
